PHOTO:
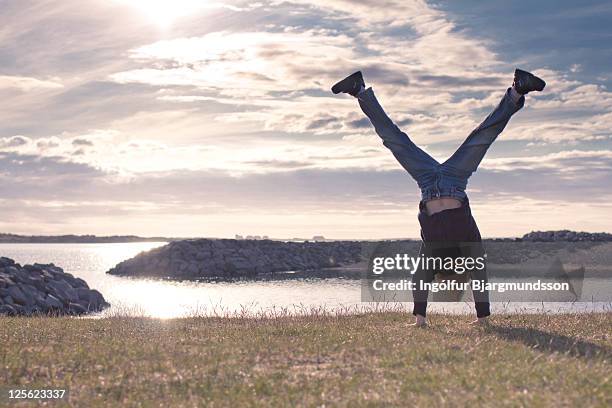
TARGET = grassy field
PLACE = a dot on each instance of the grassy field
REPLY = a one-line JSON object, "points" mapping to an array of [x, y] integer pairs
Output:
{"points": [[367, 360]]}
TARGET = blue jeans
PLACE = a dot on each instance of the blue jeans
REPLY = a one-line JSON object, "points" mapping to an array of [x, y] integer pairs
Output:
{"points": [[448, 179]]}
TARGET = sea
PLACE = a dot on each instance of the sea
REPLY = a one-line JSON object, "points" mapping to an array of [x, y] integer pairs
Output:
{"points": [[169, 299]]}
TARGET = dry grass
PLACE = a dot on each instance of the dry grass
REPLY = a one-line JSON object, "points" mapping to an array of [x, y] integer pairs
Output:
{"points": [[373, 359]]}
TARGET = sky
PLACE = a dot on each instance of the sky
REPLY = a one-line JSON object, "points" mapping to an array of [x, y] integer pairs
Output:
{"points": [[213, 118]]}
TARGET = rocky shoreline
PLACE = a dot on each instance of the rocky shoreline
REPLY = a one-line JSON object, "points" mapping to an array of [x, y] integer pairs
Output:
{"points": [[567, 236], [44, 290], [230, 258]]}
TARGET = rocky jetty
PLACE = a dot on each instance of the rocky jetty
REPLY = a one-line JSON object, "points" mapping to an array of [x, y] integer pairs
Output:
{"points": [[230, 258], [567, 236], [44, 289]]}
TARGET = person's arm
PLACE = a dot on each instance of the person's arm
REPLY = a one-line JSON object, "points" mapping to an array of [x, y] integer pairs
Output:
{"points": [[419, 296]]}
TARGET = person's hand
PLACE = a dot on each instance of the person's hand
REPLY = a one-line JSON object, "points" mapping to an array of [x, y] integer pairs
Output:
{"points": [[421, 321]]}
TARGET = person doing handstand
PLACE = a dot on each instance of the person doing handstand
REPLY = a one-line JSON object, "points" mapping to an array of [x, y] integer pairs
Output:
{"points": [[444, 209]]}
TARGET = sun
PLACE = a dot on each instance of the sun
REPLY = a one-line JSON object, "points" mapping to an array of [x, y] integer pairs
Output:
{"points": [[164, 12]]}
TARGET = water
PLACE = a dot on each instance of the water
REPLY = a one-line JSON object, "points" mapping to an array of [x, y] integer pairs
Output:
{"points": [[165, 299]]}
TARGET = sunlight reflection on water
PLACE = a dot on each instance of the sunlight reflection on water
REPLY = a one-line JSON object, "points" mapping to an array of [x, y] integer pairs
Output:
{"points": [[166, 299]]}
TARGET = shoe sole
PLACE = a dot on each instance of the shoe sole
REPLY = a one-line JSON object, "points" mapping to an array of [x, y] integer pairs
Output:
{"points": [[340, 85], [538, 83]]}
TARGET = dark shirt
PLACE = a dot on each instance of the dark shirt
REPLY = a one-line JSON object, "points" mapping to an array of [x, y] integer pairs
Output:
{"points": [[450, 233]]}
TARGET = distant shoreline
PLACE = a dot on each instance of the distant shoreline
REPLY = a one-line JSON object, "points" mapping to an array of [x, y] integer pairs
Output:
{"points": [[117, 239], [78, 239], [534, 236]]}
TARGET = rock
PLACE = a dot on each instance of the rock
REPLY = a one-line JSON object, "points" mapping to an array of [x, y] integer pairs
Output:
{"points": [[63, 290], [96, 300], [7, 310], [566, 236], [18, 296], [5, 281], [19, 309], [76, 308], [39, 299], [32, 310], [81, 283], [37, 282], [70, 280], [192, 269], [53, 303], [4, 261], [83, 293], [54, 288], [36, 289], [11, 271], [71, 295]]}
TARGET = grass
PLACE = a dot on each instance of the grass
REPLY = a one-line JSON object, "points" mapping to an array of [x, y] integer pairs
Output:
{"points": [[372, 359]]}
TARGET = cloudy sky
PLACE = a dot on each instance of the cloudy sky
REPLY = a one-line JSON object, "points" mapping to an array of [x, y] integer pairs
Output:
{"points": [[211, 118]]}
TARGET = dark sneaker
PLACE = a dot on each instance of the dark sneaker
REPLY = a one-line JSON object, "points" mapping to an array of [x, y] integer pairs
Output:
{"points": [[350, 85], [525, 82]]}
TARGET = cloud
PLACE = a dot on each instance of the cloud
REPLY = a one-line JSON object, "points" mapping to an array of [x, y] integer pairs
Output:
{"points": [[363, 123], [82, 142], [245, 62], [338, 202], [208, 116], [27, 83], [433, 80], [568, 163], [575, 68], [23, 168], [13, 141]]}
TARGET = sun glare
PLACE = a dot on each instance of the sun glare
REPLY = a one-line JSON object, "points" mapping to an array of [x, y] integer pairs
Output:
{"points": [[165, 12]]}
